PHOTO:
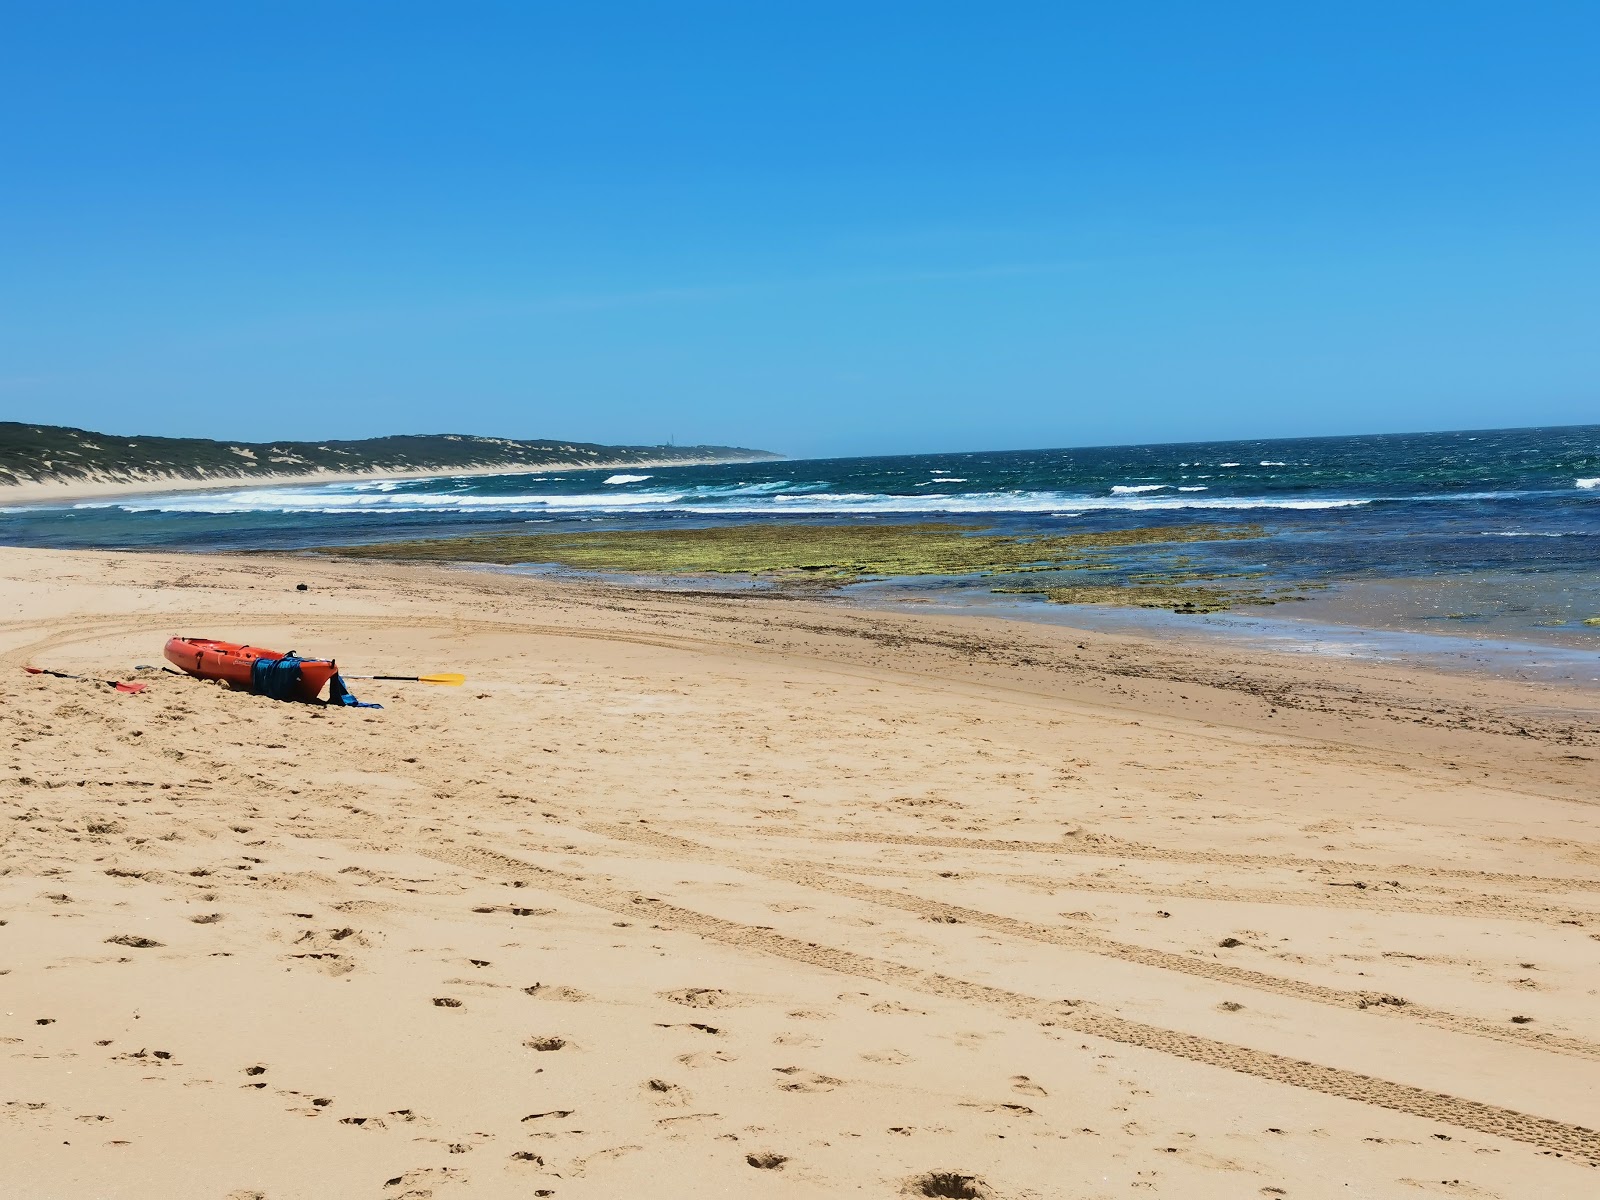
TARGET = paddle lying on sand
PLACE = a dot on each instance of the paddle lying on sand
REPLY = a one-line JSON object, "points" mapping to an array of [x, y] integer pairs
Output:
{"points": [[133, 688], [445, 680]]}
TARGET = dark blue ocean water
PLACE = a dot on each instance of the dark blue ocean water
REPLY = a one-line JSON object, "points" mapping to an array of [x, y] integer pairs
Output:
{"points": [[1517, 506]]}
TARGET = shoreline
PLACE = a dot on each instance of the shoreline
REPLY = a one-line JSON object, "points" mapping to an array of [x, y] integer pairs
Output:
{"points": [[42, 494], [1177, 641], [1280, 631], [772, 893]]}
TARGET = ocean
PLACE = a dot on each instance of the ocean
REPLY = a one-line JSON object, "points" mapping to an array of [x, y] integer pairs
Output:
{"points": [[1489, 535]]}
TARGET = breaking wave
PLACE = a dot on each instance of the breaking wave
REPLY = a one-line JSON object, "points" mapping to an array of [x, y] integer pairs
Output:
{"points": [[779, 497]]}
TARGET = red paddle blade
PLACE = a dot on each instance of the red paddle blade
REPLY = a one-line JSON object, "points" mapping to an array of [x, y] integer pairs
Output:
{"points": [[134, 688], [34, 670]]}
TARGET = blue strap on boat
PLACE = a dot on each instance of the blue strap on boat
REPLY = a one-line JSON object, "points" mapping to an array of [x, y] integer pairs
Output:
{"points": [[340, 693], [276, 677], [279, 678]]}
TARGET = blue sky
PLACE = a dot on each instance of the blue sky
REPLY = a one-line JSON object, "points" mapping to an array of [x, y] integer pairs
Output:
{"points": [[817, 228]]}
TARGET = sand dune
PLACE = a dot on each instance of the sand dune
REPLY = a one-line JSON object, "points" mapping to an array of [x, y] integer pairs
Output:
{"points": [[738, 896]]}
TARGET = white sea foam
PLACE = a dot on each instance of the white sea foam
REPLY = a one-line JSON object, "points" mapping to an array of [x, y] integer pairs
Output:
{"points": [[1589, 483], [782, 495], [751, 499], [628, 478], [1268, 463], [1228, 464]]}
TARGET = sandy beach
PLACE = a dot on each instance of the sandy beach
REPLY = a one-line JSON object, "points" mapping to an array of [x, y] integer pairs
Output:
{"points": [[690, 895]]}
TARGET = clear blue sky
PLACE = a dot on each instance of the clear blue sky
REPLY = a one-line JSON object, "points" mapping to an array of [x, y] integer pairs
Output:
{"points": [[813, 227]]}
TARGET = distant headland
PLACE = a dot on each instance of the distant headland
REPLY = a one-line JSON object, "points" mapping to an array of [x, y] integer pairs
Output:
{"points": [[44, 462]]}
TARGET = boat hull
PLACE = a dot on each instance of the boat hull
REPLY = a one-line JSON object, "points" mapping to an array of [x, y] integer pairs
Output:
{"points": [[233, 663]]}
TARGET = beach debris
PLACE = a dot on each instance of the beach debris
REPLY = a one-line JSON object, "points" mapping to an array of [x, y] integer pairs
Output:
{"points": [[127, 688]]}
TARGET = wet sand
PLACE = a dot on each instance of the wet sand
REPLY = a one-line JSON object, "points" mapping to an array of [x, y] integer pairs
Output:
{"points": [[689, 895]]}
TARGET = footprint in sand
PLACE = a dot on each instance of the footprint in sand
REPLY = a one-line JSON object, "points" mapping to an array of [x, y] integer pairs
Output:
{"points": [[798, 1079], [1016, 1110], [326, 961], [416, 1183], [707, 1058], [699, 997], [889, 1058], [1021, 1083], [894, 1006], [328, 939], [568, 995], [660, 1091], [951, 1185]]}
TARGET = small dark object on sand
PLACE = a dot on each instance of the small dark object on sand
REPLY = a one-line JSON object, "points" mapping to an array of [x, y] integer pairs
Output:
{"points": [[302, 587]]}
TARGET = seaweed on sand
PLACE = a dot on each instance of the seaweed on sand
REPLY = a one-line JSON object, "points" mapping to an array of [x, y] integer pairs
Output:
{"points": [[1180, 598]]}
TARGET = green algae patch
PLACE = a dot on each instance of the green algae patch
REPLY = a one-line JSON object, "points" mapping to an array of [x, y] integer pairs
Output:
{"points": [[828, 554], [1180, 598]]}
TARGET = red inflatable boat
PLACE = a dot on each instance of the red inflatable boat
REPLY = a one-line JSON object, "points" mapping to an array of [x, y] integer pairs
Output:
{"points": [[235, 664]]}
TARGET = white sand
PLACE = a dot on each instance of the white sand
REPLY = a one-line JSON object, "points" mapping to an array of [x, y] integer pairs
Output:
{"points": [[696, 896]]}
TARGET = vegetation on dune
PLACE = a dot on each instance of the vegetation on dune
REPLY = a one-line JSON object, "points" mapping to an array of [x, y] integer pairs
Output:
{"points": [[55, 453], [832, 555]]}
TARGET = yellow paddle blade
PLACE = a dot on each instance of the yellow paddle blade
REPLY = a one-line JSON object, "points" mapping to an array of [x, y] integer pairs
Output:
{"points": [[447, 680]]}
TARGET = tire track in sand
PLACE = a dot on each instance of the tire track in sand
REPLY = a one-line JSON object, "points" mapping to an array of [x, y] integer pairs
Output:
{"points": [[1076, 939], [1557, 1137], [1100, 845], [1438, 903]]}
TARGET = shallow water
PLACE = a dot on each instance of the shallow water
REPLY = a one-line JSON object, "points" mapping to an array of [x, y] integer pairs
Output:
{"points": [[1538, 661]]}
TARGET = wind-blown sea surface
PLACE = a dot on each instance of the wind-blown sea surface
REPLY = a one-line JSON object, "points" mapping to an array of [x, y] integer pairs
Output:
{"points": [[1492, 531]]}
